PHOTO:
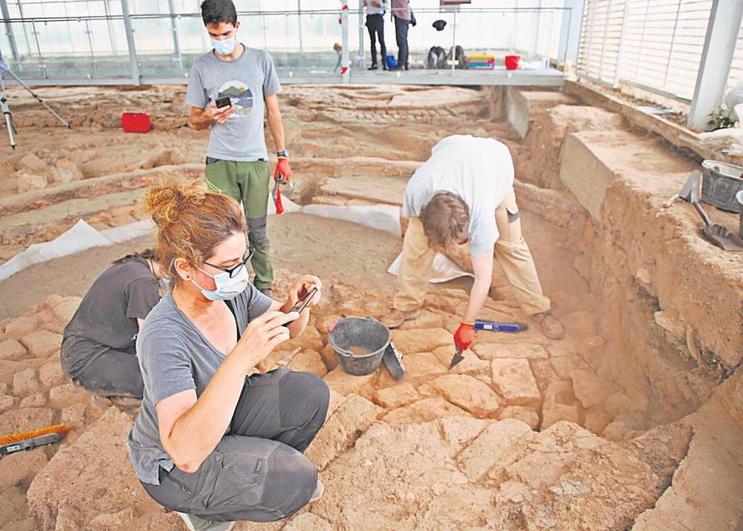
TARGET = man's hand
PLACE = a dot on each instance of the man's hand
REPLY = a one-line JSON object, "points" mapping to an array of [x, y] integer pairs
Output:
{"points": [[283, 171], [219, 115], [464, 336]]}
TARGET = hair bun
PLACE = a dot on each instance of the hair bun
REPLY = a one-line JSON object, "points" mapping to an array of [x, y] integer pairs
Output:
{"points": [[166, 202]]}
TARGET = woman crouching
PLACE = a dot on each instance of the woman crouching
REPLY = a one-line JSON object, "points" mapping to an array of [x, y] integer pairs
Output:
{"points": [[211, 442]]}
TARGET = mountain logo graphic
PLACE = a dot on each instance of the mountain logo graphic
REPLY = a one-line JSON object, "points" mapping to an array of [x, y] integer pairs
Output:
{"points": [[240, 95]]}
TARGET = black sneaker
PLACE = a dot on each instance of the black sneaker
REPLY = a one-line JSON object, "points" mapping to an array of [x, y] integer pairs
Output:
{"points": [[372, 67]]}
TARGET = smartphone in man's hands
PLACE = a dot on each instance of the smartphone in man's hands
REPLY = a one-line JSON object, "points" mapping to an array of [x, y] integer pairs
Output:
{"points": [[223, 102]]}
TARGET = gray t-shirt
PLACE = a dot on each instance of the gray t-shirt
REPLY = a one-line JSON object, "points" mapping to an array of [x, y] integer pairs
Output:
{"points": [[479, 170], [246, 80], [107, 315], [175, 356]]}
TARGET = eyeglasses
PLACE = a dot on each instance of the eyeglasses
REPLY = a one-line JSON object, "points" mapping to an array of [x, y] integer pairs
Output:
{"points": [[234, 270]]}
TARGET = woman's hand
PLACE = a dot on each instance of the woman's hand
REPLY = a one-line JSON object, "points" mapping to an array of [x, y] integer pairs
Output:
{"points": [[263, 334], [301, 287]]}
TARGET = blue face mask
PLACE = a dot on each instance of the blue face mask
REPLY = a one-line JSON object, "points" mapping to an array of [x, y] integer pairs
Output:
{"points": [[224, 46], [227, 288]]}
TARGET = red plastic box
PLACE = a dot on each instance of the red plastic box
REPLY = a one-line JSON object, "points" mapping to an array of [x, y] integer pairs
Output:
{"points": [[512, 62], [135, 122]]}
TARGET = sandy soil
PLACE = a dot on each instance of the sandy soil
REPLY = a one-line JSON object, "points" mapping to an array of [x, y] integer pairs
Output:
{"points": [[526, 433]]}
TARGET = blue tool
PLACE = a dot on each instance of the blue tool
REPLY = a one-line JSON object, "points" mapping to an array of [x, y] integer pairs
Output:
{"points": [[494, 326], [491, 326]]}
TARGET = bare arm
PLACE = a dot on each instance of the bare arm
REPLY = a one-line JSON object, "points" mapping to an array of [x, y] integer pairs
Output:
{"points": [[273, 115], [483, 269], [191, 427]]}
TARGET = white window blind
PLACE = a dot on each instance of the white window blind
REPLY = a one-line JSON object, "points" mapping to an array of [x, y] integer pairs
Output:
{"points": [[656, 44]]}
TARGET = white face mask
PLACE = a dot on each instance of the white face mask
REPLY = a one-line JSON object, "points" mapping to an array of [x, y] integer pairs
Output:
{"points": [[226, 288], [224, 46]]}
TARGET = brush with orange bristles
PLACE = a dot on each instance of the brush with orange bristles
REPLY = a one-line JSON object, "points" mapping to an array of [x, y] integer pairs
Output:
{"points": [[28, 440]]}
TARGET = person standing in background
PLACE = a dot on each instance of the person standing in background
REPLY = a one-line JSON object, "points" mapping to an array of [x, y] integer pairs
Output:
{"points": [[401, 14], [236, 158], [375, 10]]}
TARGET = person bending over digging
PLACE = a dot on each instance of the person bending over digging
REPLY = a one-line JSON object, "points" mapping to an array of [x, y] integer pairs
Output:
{"points": [[213, 441], [98, 346], [463, 195]]}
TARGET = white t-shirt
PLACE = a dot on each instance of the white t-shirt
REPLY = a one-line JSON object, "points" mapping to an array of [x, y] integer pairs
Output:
{"points": [[479, 170]]}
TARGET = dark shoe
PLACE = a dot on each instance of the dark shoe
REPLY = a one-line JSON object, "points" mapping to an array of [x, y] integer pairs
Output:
{"points": [[551, 327], [372, 67]]}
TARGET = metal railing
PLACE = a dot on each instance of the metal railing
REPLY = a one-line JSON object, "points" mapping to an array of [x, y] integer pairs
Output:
{"points": [[113, 40]]}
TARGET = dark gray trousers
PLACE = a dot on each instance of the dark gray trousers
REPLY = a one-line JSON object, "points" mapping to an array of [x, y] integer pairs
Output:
{"points": [[257, 471], [101, 369], [401, 35], [375, 25]]}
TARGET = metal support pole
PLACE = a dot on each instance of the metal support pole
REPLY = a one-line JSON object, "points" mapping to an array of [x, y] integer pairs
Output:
{"points": [[345, 56], [570, 31], [454, 43], [111, 38], [176, 39], [299, 24], [134, 64], [89, 33], [42, 66], [719, 46], [362, 52], [9, 34], [620, 51], [535, 44]]}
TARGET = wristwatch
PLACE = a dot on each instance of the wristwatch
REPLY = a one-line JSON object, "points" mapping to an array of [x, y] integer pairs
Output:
{"points": [[283, 154]]}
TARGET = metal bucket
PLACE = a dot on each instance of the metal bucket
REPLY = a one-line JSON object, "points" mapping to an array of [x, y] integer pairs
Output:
{"points": [[739, 199], [359, 333], [720, 184]]}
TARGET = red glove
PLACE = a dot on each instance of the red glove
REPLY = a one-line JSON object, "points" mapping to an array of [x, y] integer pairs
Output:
{"points": [[283, 171], [464, 336]]}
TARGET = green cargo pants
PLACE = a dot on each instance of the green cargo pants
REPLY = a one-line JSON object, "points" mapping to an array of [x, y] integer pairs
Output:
{"points": [[247, 182]]}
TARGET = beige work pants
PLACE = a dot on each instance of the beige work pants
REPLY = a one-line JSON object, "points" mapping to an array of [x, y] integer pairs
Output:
{"points": [[511, 251]]}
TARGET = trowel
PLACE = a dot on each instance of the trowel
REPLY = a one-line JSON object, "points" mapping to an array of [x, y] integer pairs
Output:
{"points": [[491, 326]]}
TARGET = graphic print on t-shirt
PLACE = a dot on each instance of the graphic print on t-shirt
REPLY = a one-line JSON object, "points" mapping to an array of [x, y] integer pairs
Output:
{"points": [[240, 95]]}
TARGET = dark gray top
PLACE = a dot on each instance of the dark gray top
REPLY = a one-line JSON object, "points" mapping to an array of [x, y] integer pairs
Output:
{"points": [[175, 356], [109, 311], [247, 81]]}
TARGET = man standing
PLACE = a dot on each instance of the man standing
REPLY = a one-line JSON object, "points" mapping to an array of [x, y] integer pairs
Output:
{"points": [[236, 158], [463, 195], [401, 15], [375, 24]]}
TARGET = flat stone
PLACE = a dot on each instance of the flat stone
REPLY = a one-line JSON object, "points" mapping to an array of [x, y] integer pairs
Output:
{"points": [[42, 343], [345, 384], [491, 351], [522, 413], [590, 389], [564, 366], [20, 326], [65, 310], [93, 476], [309, 361], [424, 410], [25, 419], [30, 181], [339, 432], [396, 396], [457, 430], [559, 404], [33, 164], [471, 364], [491, 448], [35, 400], [74, 414], [514, 381], [67, 171], [51, 374], [422, 340], [544, 374], [307, 522], [25, 382], [468, 393], [65, 394], [11, 349], [18, 469], [426, 319]]}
